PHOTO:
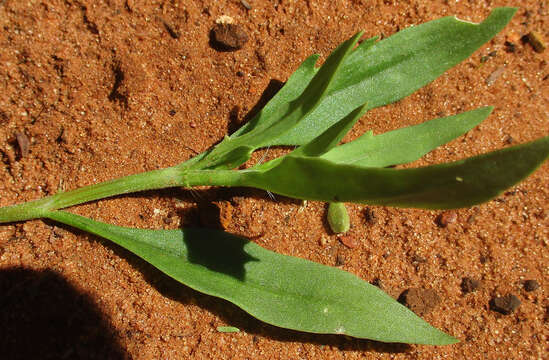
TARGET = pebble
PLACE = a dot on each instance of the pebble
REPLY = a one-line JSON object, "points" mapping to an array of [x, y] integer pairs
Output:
{"points": [[530, 285], [510, 47], [420, 301], [469, 285], [323, 241], [228, 37], [491, 79], [505, 304], [349, 241], [340, 260], [23, 143], [534, 38], [370, 216], [246, 4], [446, 218]]}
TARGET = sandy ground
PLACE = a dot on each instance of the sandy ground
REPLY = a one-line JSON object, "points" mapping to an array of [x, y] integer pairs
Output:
{"points": [[103, 89]]}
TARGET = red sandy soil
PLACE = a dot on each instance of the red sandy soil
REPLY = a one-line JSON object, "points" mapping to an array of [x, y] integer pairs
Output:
{"points": [[103, 89]]}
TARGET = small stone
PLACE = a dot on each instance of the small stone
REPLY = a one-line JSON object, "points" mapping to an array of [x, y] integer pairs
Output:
{"points": [[224, 19], [491, 79], [340, 259], [420, 301], [173, 32], [446, 218], [228, 37], [469, 285], [23, 143], [530, 285], [510, 47], [534, 38], [505, 304], [370, 216], [246, 4], [349, 241], [323, 241]]}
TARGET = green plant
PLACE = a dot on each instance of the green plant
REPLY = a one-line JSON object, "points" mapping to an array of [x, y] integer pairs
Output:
{"points": [[313, 111]]}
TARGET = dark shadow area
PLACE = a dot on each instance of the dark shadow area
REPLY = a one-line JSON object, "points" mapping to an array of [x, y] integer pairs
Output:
{"points": [[115, 94], [43, 317], [217, 251], [270, 91]]}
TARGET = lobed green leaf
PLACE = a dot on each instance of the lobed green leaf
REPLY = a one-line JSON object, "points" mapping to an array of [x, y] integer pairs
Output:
{"points": [[281, 290], [260, 133], [396, 67], [372, 75]]}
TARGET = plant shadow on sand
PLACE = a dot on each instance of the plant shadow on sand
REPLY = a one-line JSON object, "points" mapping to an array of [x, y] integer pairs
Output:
{"points": [[45, 317]]}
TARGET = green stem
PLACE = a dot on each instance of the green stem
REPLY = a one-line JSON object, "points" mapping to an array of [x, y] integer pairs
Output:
{"points": [[156, 179]]}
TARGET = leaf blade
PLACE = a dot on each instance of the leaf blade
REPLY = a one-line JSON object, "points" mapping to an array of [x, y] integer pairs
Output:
{"points": [[307, 297], [445, 186], [406, 144], [287, 115], [396, 67]]}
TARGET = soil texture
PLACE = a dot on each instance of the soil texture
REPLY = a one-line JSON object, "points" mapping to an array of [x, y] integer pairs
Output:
{"points": [[94, 90]]}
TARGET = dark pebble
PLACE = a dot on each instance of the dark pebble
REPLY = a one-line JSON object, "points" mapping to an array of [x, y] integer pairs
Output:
{"points": [[340, 260], [491, 79], [172, 31], [228, 37], [446, 218], [420, 301], [23, 143], [535, 39], [531, 285], [246, 4], [510, 47], [469, 285], [505, 304], [348, 240], [370, 216]]}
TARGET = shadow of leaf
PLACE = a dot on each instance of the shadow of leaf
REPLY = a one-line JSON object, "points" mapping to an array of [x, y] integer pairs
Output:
{"points": [[44, 317], [218, 251]]}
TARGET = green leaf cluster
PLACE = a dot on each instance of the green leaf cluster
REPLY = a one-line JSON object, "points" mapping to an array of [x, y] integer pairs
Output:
{"points": [[313, 112]]}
